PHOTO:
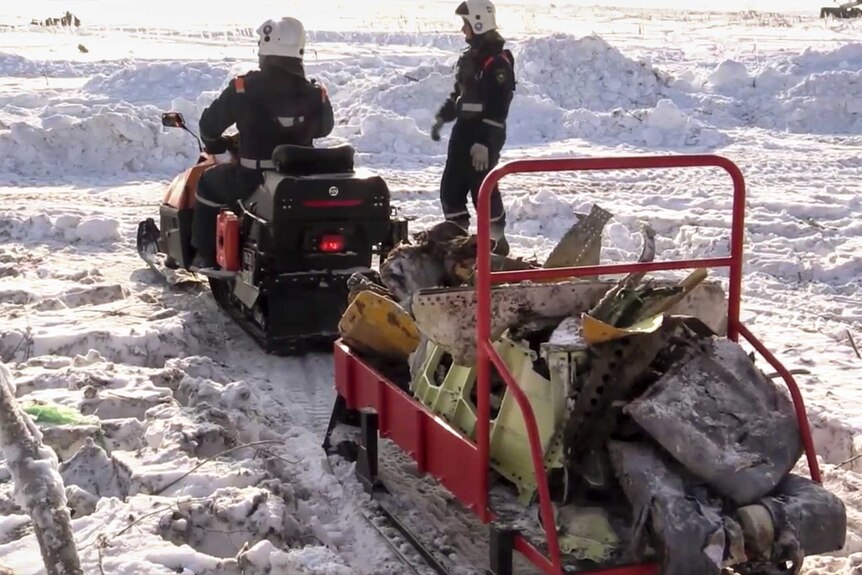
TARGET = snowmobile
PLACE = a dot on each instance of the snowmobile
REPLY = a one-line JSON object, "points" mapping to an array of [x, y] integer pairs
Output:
{"points": [[287, 251], [593, 425]]}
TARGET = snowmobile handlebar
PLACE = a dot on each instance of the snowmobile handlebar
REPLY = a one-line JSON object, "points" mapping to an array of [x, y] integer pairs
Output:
{"points": [[176, 120]]}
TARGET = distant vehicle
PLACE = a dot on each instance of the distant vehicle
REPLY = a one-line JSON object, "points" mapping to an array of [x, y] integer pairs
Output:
{"points": [[846, 10]]}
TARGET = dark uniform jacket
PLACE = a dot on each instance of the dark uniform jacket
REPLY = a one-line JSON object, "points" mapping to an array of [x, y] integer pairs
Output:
{"points": [[271, 106], [484, 86]]}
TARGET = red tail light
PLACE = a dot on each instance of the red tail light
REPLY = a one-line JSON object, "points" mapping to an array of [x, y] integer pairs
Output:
{"points": [[331, 243]]}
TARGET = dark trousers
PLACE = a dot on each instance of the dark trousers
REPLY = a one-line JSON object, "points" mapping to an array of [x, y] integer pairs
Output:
{"points": [[459, 177], [220, 186]]}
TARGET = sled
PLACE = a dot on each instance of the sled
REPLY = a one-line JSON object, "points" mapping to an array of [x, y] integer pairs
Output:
{"points": [[442, 419]]}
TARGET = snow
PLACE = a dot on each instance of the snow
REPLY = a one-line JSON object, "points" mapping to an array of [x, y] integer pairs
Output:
{"points": [[172, 382], [729, 75], [586, 73]]}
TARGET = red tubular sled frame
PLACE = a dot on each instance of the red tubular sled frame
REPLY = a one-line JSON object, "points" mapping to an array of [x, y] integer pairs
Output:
{"points": [[461, 465], [484, 277]]}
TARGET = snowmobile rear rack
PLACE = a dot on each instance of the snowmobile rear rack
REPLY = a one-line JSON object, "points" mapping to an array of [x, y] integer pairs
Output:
{"points": [[461, 465]]}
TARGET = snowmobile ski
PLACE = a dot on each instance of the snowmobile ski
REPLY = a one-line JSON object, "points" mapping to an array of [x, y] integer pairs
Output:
{"points": [[148, 249]]}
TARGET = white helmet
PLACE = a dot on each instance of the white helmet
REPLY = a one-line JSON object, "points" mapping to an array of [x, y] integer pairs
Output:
{"points": [[285, 37], [479, 14]]}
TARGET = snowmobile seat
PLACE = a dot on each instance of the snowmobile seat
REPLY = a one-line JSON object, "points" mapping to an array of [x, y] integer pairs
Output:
{"points": [[306, 160]]}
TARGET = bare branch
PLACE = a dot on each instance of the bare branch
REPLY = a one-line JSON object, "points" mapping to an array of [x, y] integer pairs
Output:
{"points": [[208, 459], [34, 469], [853, 344]]}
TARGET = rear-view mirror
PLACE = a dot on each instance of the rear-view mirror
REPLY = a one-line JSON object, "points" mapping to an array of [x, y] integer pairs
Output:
{"points": [[173, 120]]}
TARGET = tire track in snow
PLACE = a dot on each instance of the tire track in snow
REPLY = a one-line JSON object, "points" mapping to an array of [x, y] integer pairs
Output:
{"points": [[299, 394], [316, 392], [303, 386]]}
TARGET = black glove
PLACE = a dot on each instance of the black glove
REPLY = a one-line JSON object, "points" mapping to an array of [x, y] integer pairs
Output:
{"points": [[217, 146], [435, 129], [232, 143]]}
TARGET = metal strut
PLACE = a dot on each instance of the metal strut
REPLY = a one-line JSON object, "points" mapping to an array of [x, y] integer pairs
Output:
{"points": [[502, 539]]}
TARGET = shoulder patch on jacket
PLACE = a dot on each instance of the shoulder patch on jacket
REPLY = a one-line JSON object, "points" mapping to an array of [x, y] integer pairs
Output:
{"points": [[239, 84], [504, 55]]}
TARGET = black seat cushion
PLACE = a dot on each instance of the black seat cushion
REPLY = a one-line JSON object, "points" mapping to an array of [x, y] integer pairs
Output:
{"points": [[305, 160]]}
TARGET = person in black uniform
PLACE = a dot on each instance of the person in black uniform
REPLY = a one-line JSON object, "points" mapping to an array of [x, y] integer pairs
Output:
{"points": [[479, 105], [271, 106]]}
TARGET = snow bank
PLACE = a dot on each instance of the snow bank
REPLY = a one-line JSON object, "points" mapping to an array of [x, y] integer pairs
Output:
{"points": [[810, 61], [815, 92], [586, 73], [66, 227], [118, 340], [729, 74], [662, 127], [442, 41], [16, 66], [397, 136], [547, 213], [827, 102], [389, 117], [534, 119], [107, 138], [585, 88], [568, 87], [97, 230], [159, 81]]}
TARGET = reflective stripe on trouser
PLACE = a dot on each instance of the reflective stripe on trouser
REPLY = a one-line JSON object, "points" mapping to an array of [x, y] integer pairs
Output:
{"points": [[206, 202], [256, 164], [290, 121], [493, 123]]}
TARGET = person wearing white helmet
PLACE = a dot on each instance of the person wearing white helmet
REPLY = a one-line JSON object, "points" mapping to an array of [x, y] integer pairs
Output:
{"points": [[271, 106], [479, 106]]}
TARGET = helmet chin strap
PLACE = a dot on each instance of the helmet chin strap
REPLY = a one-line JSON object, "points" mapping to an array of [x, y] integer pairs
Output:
{"points": [[474, 39]]}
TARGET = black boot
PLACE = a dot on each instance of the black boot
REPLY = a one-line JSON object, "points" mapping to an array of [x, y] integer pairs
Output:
{"points": [[202, 262], [501, 244], [204, 235]]}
